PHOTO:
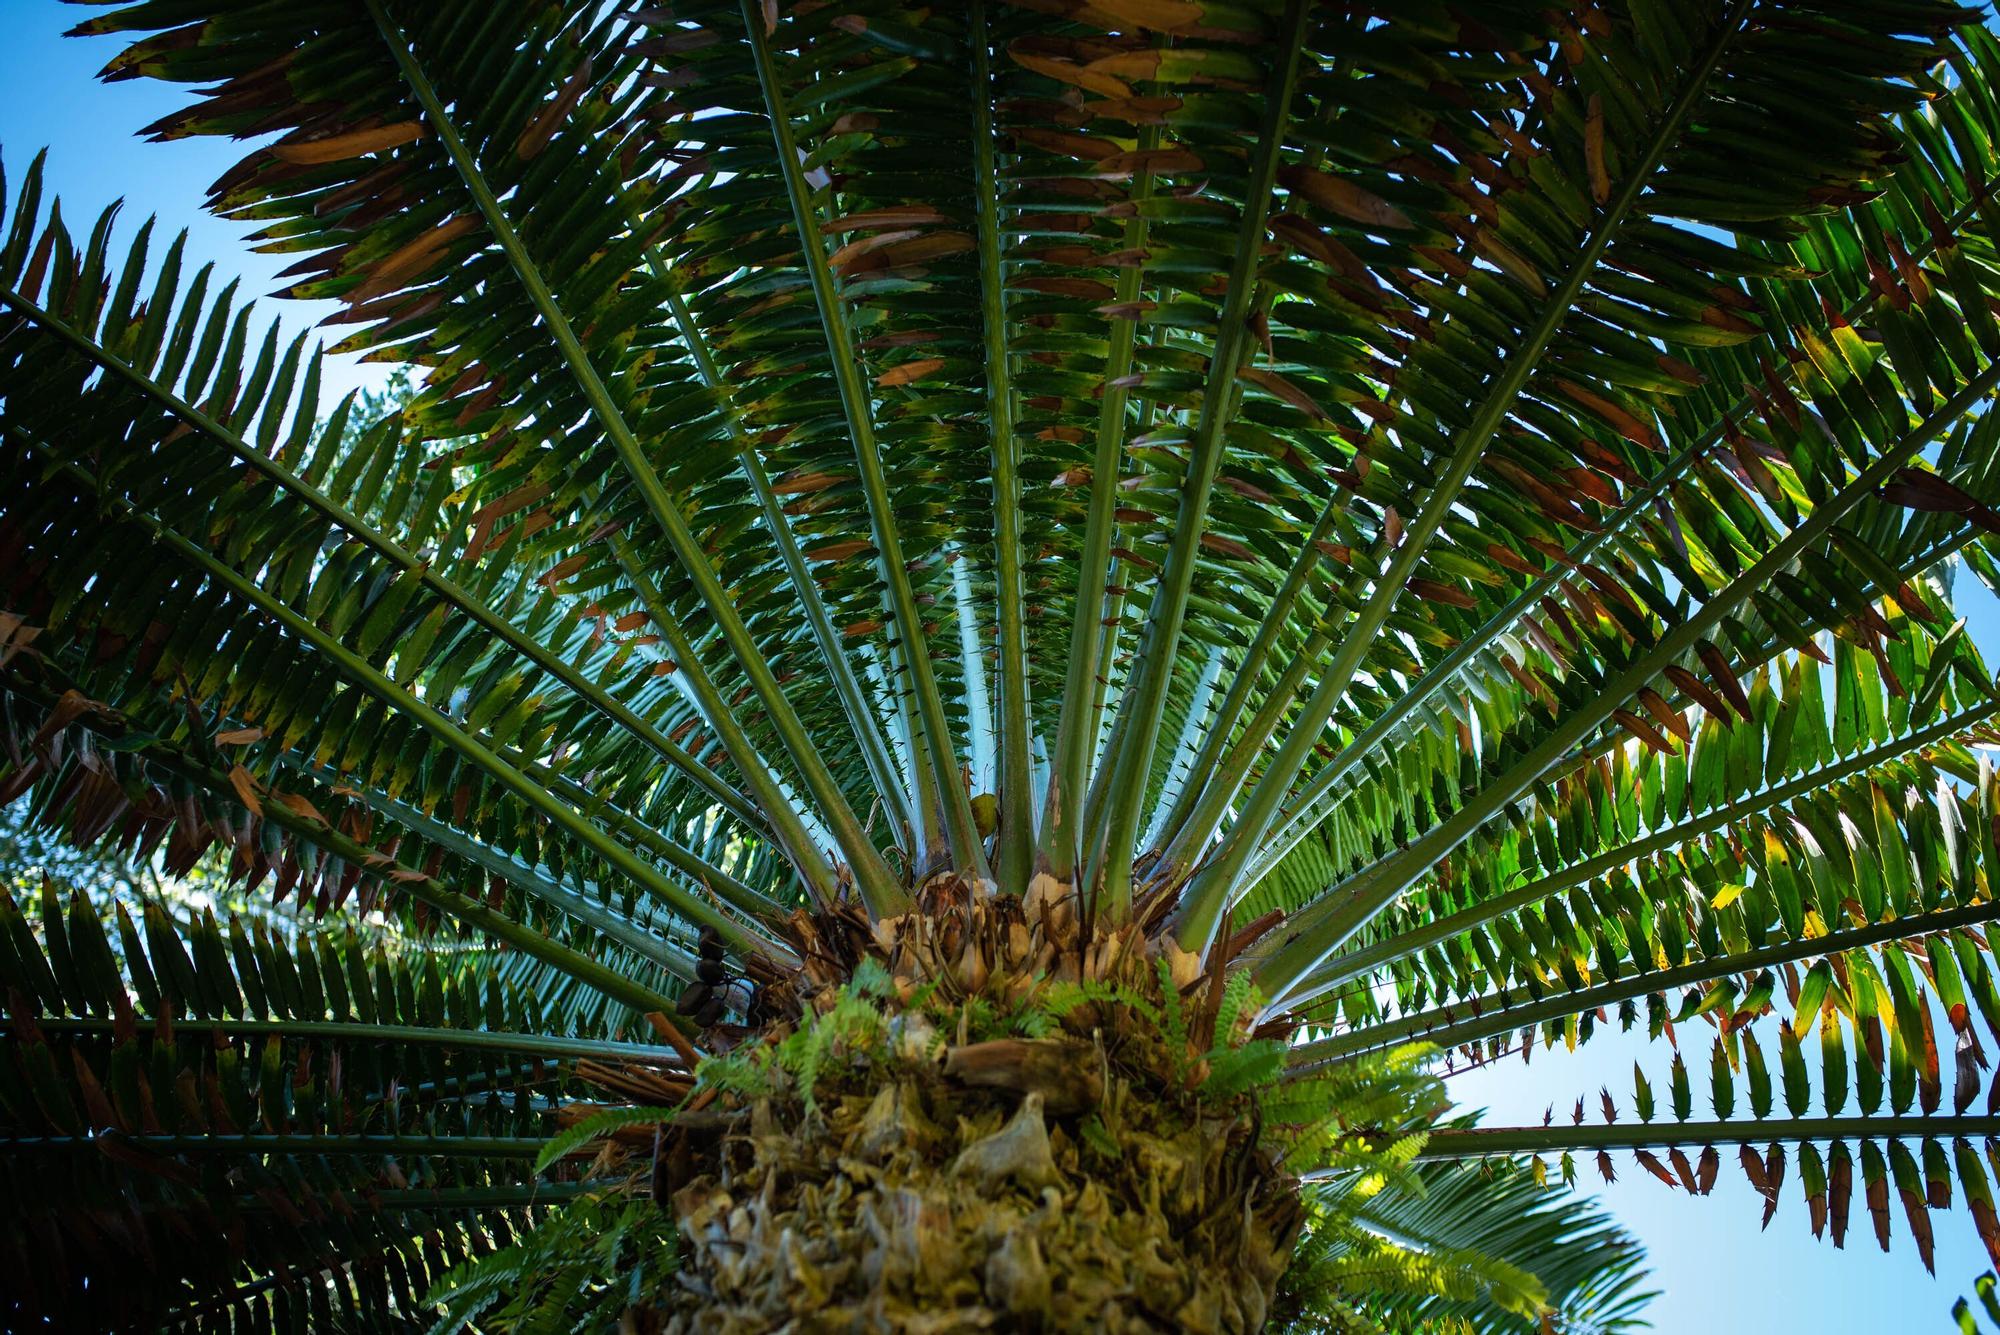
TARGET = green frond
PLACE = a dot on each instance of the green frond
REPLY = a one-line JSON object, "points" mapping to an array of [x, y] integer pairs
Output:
{"points": [[1446, 528], [316, 1104]]}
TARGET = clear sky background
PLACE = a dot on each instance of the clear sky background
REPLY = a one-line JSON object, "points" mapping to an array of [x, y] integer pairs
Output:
{"points": [[1719, 1275], [51, 98]]}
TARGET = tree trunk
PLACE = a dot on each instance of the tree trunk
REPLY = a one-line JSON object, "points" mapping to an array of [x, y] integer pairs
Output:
{"points": [[933, 1208], [978, 1116]]}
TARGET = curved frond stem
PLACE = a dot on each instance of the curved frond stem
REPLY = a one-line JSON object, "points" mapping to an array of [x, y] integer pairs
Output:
{"points": [[871, 873], [982, 749], [451, 592], [1183, 761], [1315, 800], [1525, 482], [1209, 892], [1488, 1141], [427, 889], [465, 909], [752, 903], [1419, 937], [1343, 910], [1143, 703], [1179, 837], [1613, 735], [968, 852], [1113, 608], [565, 899], [861, 714], [863, 719], [1451, 1026], [1091, 640], [927, 790], [366, 677], [1416, 939], [1101, 726], [1014, 854], [551, 1046], [687, 658], [467, 1147], [1185, 836], [1228, 775]]}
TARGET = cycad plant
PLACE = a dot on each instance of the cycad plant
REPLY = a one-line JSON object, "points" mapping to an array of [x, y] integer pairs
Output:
{"points": [[994, 635]]}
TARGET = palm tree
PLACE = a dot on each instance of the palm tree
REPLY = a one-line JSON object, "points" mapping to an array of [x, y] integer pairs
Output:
{"points": [[994, 636]]}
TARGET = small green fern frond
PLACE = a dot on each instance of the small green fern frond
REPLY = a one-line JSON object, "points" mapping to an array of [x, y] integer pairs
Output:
{"points": [[581, 1270]]}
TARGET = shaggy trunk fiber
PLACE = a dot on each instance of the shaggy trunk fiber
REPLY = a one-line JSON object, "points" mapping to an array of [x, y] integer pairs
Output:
{"points": [[893, 1165], [917, 1210]]}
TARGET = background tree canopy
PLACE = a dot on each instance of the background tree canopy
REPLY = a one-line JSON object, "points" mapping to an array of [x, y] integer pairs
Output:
{"points": [[1291, 547]]}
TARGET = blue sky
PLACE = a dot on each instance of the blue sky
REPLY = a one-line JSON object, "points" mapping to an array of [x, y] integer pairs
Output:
{"points": [[1718, 1273], [53, 100]]}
